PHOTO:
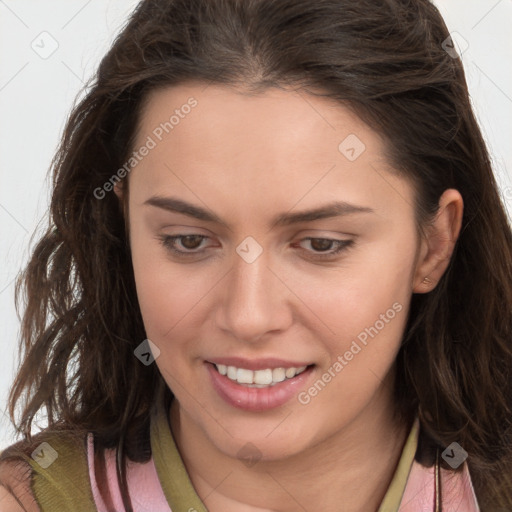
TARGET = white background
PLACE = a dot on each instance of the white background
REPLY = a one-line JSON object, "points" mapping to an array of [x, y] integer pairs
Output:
{"points": [[36, 96]]}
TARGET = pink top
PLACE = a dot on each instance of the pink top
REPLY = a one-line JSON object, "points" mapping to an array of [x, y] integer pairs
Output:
{"points": [[456, 489], [145, 490]]}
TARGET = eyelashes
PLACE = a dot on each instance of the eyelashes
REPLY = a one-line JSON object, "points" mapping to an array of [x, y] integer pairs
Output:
{"points": [[339, 247], [171, 242]]}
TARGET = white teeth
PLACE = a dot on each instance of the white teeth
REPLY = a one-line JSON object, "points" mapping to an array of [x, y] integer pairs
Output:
{"points": [[278, 374], [258, 378], [290, 372], [245, 376], [262, 377], [231, 372]]}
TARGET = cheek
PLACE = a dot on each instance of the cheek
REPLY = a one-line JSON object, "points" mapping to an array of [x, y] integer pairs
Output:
{"points": [[169, 293], [365, 309], [171, 308], [374, 281], [170, 298]]}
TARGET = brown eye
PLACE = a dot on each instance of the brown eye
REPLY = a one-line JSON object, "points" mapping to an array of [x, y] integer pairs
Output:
{"points": [[321, 244], [324, 248], [183, 245], [191, 242]]}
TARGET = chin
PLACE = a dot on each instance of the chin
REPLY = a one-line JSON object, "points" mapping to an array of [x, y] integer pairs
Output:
{"points": [[268, 442]]}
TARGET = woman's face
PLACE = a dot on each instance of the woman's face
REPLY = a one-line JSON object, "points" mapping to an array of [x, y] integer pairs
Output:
{"points": [[300, 250]]}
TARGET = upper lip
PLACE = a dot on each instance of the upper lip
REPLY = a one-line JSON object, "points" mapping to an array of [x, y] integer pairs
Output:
{"points": [[257, 364]]}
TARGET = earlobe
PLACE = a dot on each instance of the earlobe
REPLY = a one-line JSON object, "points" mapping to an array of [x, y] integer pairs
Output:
{"points": [[438, 247]]}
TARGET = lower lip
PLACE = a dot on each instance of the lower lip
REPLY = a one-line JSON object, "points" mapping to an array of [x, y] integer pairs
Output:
{"points": [[257, 399]]}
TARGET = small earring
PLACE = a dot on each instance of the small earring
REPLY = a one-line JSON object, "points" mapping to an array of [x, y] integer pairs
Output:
{"points": [[427, 280]]}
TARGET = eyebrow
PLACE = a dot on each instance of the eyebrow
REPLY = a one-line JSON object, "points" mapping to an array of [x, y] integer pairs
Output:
{"points": [[329, 210]]}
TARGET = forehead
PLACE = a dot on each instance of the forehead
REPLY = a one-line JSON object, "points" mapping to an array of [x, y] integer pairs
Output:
{"points": [[277, 120], [281, 144]]}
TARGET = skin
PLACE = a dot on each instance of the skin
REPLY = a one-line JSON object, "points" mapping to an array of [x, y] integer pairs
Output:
{"points": [[248, 159], [15, 490]]}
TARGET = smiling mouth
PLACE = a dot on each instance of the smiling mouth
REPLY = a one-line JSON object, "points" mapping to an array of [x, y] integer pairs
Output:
{"points": [[259, 378]]}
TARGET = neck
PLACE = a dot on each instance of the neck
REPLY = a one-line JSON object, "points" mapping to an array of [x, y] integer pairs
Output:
{"points": [[353, 467]]}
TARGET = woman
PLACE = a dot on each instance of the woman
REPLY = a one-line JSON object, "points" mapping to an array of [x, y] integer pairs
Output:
{"points": [[277, 275]]}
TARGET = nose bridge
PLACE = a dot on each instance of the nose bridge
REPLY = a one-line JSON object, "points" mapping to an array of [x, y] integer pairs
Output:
{"points": [[253, 302]]}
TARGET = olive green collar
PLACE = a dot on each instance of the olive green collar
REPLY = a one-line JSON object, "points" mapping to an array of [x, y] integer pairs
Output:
{"points": [[173, 476], [396, 488]]}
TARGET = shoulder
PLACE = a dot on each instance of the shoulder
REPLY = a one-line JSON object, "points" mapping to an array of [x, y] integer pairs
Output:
{"points": [[48, 472]]}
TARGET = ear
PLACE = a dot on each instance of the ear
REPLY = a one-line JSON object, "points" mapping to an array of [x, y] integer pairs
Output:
{"points": [[121, 191], [118, 190], [438, 244]]}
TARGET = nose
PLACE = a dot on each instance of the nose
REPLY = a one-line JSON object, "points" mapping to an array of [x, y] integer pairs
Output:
{"points": [[254, 301]]}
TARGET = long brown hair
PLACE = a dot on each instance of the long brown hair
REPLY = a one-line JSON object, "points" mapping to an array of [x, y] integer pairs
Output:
{"points": [[383, 58]]}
